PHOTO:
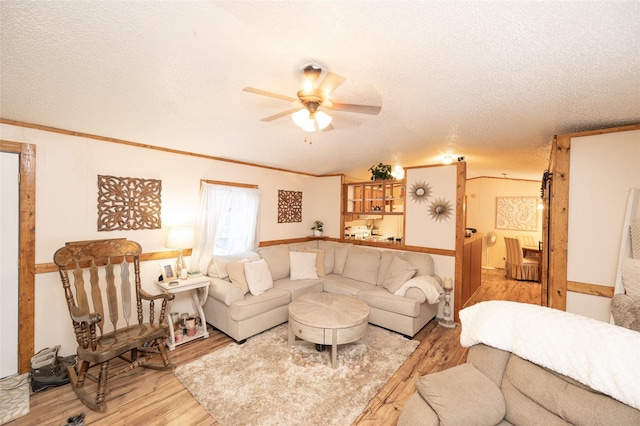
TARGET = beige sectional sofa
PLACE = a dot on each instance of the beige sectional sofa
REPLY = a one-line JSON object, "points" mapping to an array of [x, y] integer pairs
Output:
{"points": [[529, 365], [243, 309]]}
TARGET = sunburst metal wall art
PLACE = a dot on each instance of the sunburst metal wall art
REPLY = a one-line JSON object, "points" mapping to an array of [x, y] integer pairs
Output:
{"points": [[440, 209], [420, 191]]}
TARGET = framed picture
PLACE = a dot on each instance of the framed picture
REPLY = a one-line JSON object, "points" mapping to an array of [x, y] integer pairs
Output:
{"points": [[168, 273], [517, 213]]}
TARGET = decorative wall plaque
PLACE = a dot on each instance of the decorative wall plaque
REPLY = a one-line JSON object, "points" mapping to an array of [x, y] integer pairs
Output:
{"points": [[517, 213], [440, 209], [289, 206], [128, 203]]}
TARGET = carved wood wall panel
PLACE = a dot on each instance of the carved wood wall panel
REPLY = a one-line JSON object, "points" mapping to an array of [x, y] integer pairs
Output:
{"points": [[289, 206], [126, 203]]}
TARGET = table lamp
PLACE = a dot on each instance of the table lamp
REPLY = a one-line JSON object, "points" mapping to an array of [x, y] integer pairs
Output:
{"points": [[180, 238]]}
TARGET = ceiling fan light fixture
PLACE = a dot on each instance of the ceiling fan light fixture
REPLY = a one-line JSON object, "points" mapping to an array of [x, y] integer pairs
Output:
{"points": [[323, 119], [301, 117], [309, 126]]}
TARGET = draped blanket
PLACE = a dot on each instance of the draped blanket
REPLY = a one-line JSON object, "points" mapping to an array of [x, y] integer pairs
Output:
{"points": [[600, 355]]}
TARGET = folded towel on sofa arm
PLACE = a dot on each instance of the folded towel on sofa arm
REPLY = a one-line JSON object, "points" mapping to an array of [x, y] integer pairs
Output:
{"points": [[427, 284]]}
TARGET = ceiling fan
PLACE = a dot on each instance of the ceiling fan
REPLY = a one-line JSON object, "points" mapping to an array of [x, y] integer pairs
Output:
{"points": [[307, 112]]}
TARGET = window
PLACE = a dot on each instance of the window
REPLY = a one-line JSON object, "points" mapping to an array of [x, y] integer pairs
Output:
{"points": [[227, 222]]}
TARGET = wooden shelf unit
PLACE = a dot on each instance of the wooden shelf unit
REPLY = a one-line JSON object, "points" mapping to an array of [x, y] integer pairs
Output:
{"points": [[383, 197]]}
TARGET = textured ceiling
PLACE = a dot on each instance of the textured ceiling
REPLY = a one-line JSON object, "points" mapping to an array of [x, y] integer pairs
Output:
{"points": [[491, 81]]}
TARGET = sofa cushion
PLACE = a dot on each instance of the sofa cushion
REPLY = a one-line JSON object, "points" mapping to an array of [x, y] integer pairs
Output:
{"points": [[299, 287], [304, 245], [303, 265], [277, 257], [235, 270], [258, 276], [329, 259], [399, 272], [340, 258], [462, 395], [380, 298], [531, 392], [218, 264], [334, 283], [362, 264], [422, 261], [252, 305]]}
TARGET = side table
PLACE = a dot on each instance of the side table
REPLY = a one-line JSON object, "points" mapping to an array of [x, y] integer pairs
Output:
{"points": [[199, 288]]}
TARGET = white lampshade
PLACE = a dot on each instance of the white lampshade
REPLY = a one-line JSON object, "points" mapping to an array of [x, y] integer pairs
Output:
{"points": [[300, 117], [306, 122], [323, 119], [180, 237]]}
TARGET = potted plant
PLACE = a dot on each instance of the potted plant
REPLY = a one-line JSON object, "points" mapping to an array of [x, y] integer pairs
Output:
{"points": [[317, 228], [381, 172]]}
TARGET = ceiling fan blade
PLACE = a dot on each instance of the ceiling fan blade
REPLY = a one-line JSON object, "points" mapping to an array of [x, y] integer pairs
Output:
{"points": [[269, 94], [360, 109], [280, 114], [331, 82]]}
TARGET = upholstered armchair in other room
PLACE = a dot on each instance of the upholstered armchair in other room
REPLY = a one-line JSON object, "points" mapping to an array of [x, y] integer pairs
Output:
{"points": [[517, 266]]}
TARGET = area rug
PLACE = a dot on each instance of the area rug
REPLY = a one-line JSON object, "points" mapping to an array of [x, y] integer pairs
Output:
{"points": [[14, 397], [267, 382]]}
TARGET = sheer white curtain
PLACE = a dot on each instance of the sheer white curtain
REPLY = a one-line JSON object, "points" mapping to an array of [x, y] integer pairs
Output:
{"points": [[227, 223]]}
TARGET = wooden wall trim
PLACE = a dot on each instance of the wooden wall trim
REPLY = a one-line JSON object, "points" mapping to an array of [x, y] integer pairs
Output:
{"points": [[236, 184], [461, 189], [26, 243], [559, 224], [45, 268], [592, 289], [146, 146]]}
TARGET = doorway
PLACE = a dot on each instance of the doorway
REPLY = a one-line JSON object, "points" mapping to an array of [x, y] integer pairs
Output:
{"points": [[26, 247], [9, 222]]}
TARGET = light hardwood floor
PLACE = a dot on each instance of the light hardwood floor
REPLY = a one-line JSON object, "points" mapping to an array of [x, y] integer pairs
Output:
{"points": [[147, 397]]}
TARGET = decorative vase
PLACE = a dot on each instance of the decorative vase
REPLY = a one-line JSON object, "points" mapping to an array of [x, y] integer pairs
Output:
{"points": [[317, 233]]}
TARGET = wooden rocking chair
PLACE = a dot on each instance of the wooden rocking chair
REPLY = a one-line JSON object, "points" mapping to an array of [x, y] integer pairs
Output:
{"points": [[143, 340]]}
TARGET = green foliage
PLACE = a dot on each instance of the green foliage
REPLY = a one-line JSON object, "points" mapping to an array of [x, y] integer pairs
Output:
{"points": [[318, 226], [381, 172]]}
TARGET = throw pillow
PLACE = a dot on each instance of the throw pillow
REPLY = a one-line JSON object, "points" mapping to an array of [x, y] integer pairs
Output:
{"points": [[258, 276], [462, 395], [236, 274], [399, 272], [220, 262], [303, 265], [319, 260]]}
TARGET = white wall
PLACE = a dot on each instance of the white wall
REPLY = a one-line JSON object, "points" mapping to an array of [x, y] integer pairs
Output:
{"points": [[481, 196], [66, 207], [603, 170], [424, 231]]}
